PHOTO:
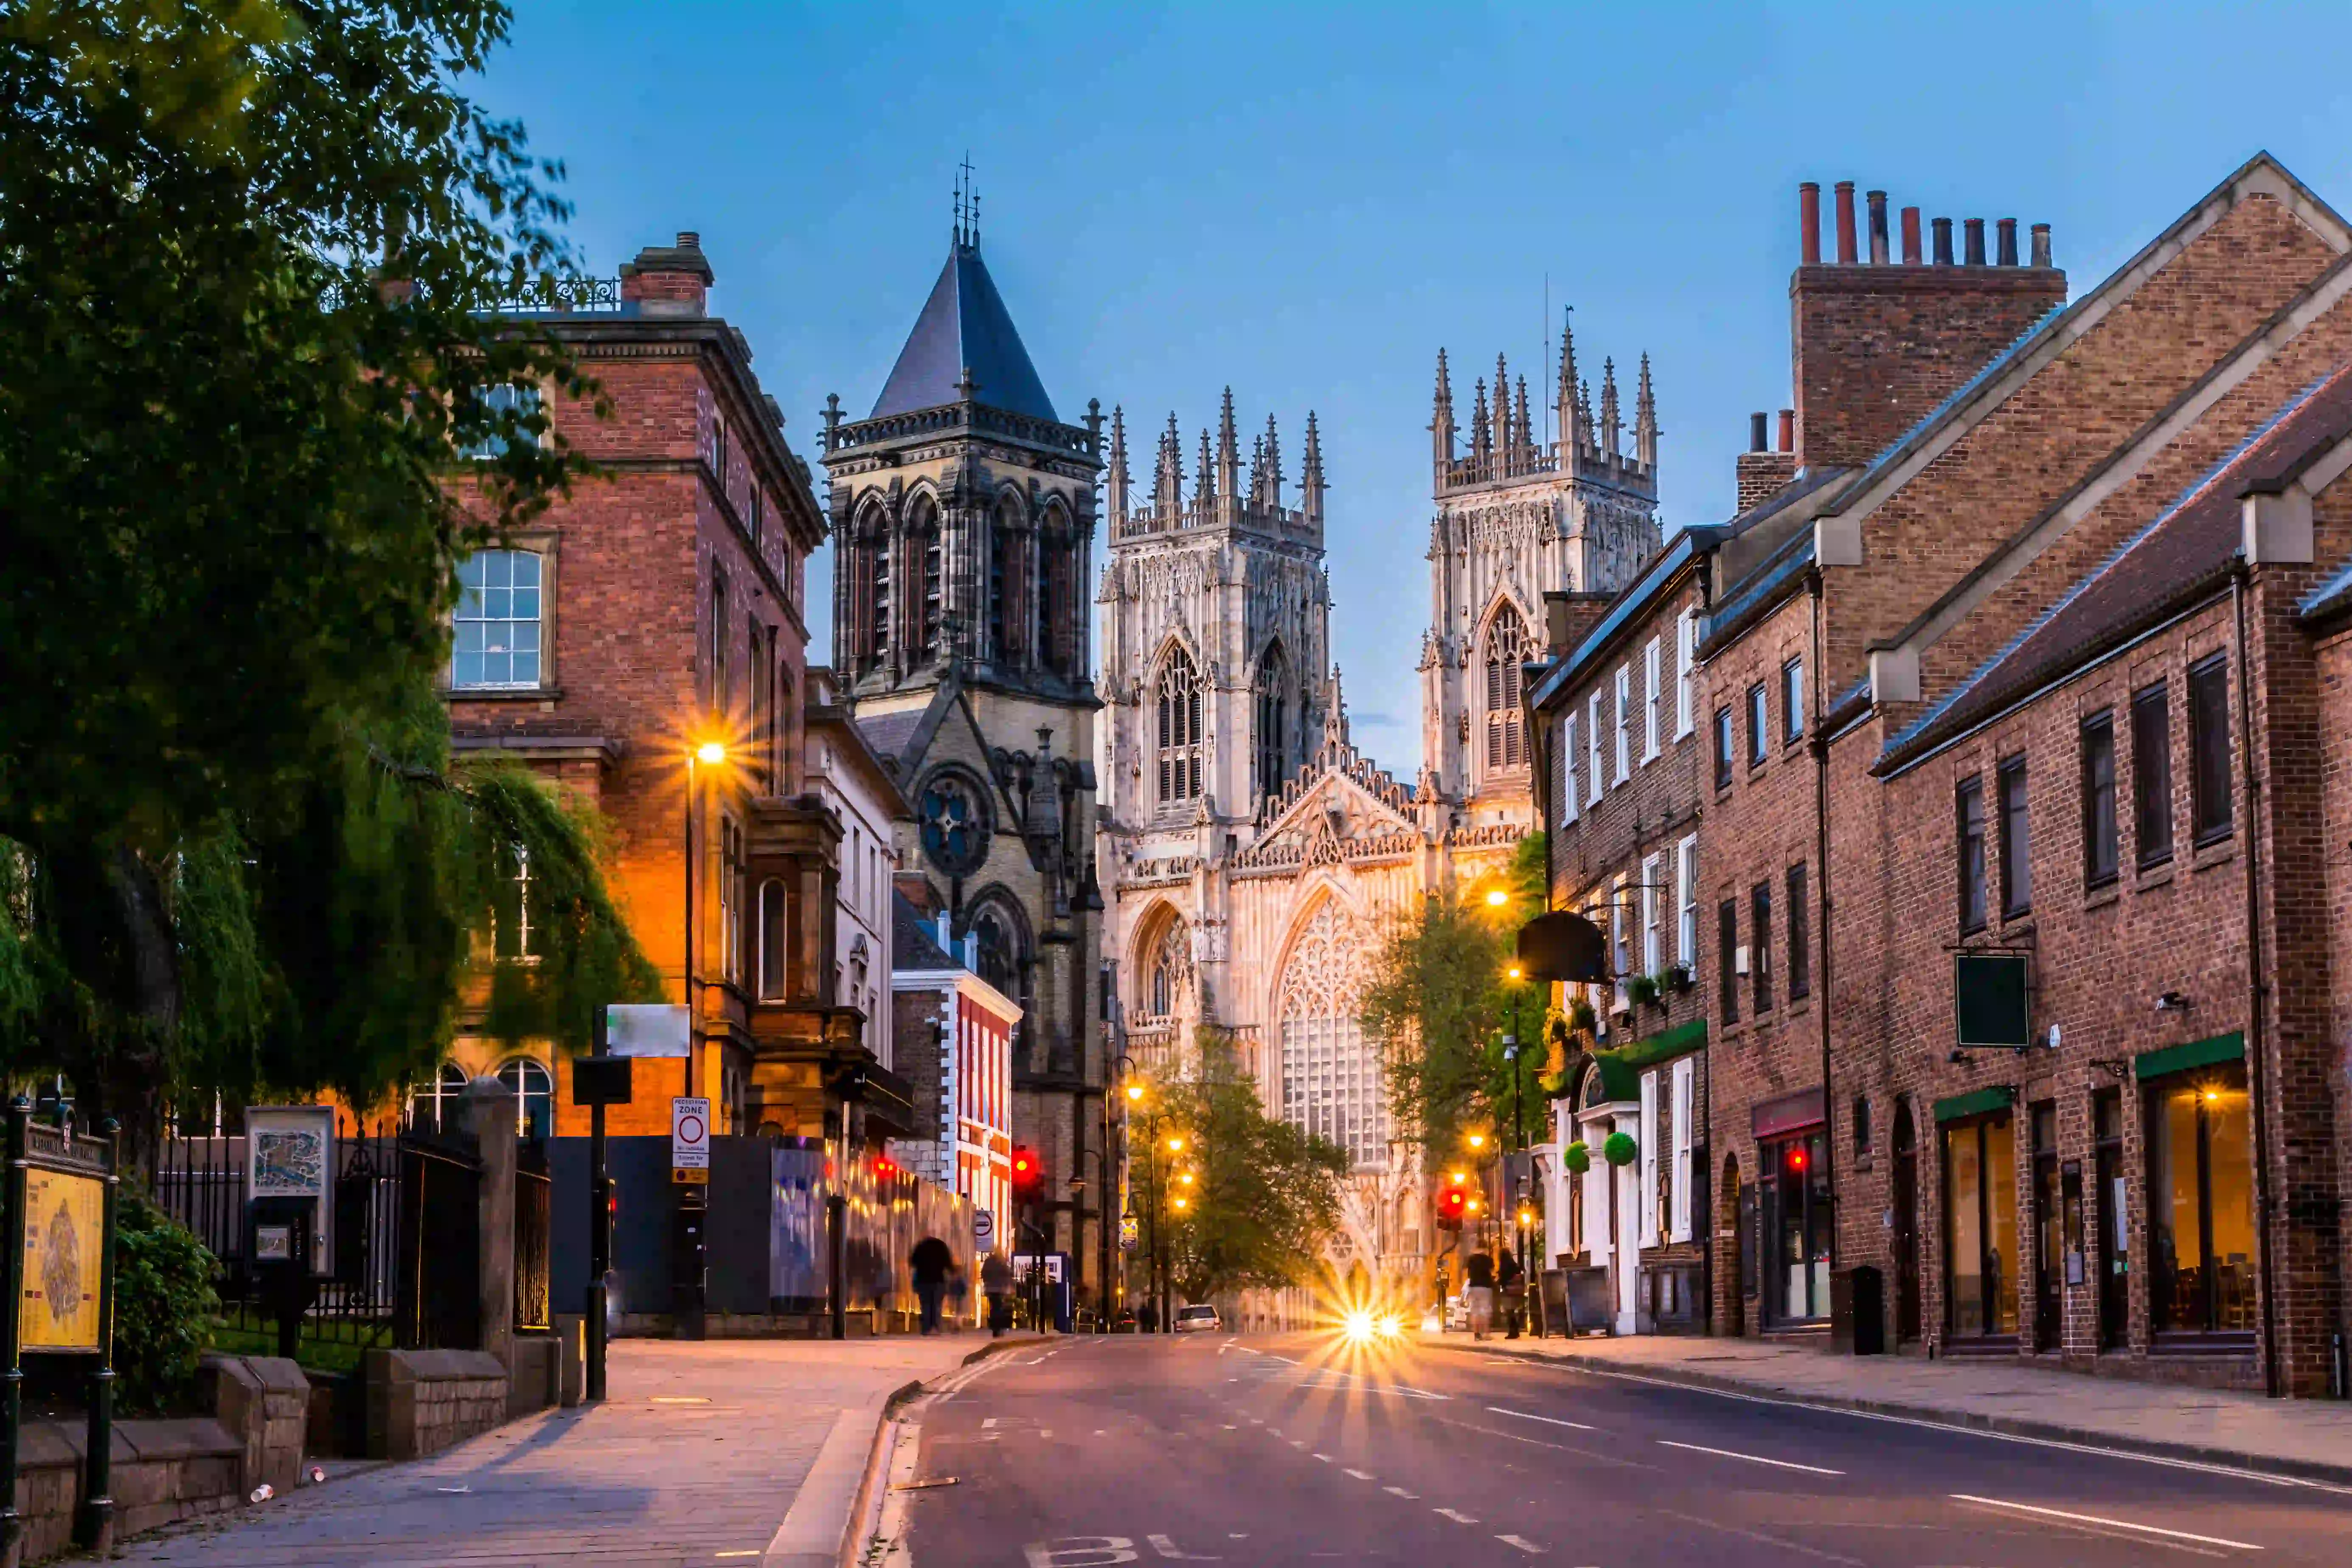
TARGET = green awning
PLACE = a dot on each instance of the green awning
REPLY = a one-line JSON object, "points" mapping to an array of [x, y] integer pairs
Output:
{"points": [[1665, 1045], [1620, 1084], [2229, 1047], [2000, 1097]]}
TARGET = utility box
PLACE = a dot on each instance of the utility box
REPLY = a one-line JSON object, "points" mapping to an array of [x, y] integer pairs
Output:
{"points": [[1858, 1311]]}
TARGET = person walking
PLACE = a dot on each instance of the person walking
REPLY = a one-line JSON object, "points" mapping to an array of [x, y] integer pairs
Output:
{"points": [[996, 1284], [930, 1263], [1478, 1292], [1513, 1281]]}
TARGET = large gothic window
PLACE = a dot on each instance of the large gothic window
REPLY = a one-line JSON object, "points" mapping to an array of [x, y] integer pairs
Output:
{"points": [[1180, 728], [877, 566], [1056, 567], [952, 809], [1273, 720], [1507, 650], [923, 555], [1007, 616], [1168, 970], [1331, 1083], [999, 944]]}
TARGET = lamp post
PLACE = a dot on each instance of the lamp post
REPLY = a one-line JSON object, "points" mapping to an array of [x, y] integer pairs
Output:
{"points": [[1518, 1124], [713, 754], [1123, 1073]]}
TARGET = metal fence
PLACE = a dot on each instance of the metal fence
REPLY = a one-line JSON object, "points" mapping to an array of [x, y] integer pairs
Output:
{"points": [[534, 1210]]}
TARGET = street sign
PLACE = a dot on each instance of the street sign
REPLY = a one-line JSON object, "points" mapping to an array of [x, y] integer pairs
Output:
{"points": [[983, 1224], [600, 1080], [1130, 1233], [690, 1138], [656, 1029]]}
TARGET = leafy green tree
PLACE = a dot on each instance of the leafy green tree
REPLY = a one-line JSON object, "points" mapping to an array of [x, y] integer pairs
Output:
{"points": [[248, 253], [1439, 1000], [1265, 1195]]}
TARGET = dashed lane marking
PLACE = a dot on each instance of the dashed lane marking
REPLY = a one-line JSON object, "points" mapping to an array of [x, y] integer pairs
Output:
{"points": [[1528, 1415], [1457, 1516], [1325, 1458], [1400, 1491], [2107, 1523], [1358, 1474], [1751, 1458], [1523, 1543]]}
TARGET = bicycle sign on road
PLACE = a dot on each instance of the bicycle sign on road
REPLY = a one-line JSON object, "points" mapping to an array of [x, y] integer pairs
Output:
{"points": [[689, 1141]]}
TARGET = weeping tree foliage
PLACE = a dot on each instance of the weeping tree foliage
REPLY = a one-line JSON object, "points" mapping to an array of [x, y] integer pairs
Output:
{"points": [[1264, 1195], [248, 253], [1439, 1000]]}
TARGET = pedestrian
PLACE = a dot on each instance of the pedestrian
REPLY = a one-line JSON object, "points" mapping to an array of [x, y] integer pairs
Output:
{"points": [[1515, 1294], [1478, 1292], [996, 1284], [930, 1262]]}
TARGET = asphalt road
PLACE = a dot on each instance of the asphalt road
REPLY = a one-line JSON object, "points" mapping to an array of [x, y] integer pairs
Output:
{"points": [[1298, 1451]]}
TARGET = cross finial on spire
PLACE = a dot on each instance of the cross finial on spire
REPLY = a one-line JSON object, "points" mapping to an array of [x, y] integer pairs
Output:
{"points": [[967, 213]]}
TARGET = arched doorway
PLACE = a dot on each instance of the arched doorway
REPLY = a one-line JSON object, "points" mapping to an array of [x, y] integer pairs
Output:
{"points": [[1906, 1223], [1732, 1269]]}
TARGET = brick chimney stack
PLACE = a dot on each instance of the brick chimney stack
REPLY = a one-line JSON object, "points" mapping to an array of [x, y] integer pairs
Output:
{"points": [[1875, 347], [669, 280]]}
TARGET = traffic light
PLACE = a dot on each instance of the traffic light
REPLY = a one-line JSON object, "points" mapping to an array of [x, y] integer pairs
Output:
{"points": [[1453, 1202], [1028, 1173]]}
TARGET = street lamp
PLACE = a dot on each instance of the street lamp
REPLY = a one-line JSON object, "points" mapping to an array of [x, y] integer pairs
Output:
{"points": [[709, 754]]}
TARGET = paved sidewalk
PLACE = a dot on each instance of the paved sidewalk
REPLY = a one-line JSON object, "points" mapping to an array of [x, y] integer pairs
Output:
{"points": [[2305, 1438], [695, 1460]]}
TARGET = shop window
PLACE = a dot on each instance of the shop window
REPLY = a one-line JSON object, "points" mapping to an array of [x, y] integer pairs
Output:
{"points": [[2114, 1219], [2049, 1261], [1981, 1228], [2098, 800], [1797, 1221], [1968, 809], [2016, 842], [2209, 750], [2151, 721], [2200, 1200]]}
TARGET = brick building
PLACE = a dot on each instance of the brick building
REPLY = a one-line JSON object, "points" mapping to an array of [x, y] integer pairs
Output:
{"points": [[956, 1035], [658, 607], [2017, 667]]}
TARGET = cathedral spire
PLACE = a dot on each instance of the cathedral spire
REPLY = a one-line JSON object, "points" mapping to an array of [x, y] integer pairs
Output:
{"points": [[1586, 431], [1115, 481], [1525, 447], [1168, 478], [1257, 472], [1441, 421], [1229, 457], [1482, 437], [1272, 500], [1310, 479], [1572, 419], [1645, 421], [1204, 483], [1611, 427], [1506, 440]]}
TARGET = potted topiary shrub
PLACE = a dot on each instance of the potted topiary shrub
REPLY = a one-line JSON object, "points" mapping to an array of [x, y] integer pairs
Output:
{"points": [[1577, 1158], [1618, 1149]]}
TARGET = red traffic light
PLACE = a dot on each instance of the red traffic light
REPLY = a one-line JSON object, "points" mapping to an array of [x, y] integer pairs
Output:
{"points": [[1028, 1171]]}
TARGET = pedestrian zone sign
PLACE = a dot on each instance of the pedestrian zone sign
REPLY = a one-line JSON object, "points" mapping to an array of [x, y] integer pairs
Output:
{"points": [[690, 1140]]}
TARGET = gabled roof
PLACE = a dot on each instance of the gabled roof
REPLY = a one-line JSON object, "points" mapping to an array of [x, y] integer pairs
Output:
{"points": [[2177, 558], [964, 326], [913, 945]]}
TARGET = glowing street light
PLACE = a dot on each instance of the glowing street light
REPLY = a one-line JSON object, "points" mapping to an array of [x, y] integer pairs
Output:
{"points": [[1496, 897], [1175, 1145], [1478, 1139], [711, 753], [1515, 973], [1135, 1093]]}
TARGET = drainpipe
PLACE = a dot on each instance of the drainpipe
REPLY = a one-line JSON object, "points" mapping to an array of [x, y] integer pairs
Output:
{"points": [[2258, 1073], [1820, 747]]}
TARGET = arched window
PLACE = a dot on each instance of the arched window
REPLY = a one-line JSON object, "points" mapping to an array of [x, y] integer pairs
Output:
{"points": [[1180, 728], [497, 622], [1331, 1076], [773, 939], [440, 1106], [998, 941], [721, 694], [1507, 650], [1168, 968], [1273, 720], [875, 562], [1056, 644], [923, 543], [534, 1090], [1008, 616]]}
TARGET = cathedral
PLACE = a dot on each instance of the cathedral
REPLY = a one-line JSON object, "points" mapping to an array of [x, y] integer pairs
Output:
{"points": [[1254, 856], [963, 518]]}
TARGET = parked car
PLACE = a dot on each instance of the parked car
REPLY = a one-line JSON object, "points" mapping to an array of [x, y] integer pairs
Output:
{"points": [[1198, 1320]]}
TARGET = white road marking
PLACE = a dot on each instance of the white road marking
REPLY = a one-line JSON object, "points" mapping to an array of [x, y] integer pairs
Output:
{"points": [[1325, 1458], [1167, 1548], [1547, 1420], [754, 1552], [988, 1424], [1455, 1514], [1359, 1475], [1400, 1491], [2107, 1523], [1522, 1542], [1751, 1458]]}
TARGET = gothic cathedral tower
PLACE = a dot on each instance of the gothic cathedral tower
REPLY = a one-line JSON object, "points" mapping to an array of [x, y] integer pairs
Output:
{"points": [[1520, 517], [963, 518], [1217, 621]]}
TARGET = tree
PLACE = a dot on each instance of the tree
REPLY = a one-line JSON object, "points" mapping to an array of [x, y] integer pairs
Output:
{"points": [[247, 256], [1265, 1195], [1440, 999]]}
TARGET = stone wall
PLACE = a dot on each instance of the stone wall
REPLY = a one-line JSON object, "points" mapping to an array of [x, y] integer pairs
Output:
{"points": [[421, 1402]]}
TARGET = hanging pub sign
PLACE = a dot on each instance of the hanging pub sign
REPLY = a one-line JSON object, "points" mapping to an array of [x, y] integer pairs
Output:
{"points": [[1990, 991]]}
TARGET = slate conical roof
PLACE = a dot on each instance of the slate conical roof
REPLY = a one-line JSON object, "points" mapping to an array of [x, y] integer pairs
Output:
{"points": [[964, 326]]}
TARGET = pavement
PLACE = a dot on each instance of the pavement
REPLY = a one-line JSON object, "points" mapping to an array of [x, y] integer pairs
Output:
{"points": [[728, 1452], [1300, 1450], [2303, 1438]]}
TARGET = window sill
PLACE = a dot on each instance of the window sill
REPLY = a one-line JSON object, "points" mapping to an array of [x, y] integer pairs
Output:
{"points": [[2220, 852], [2156, 874], [2104, 896], [501, 693]]}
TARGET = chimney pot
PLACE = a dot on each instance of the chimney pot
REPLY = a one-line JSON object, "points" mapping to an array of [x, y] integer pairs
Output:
{"points": [[688, 240], [1845, 247], [1943, 242], [2008, 242], [2042, 246], [1788, 429], [1910, 237], [1756, 432], [1878, 228], [1808, 223], [1974, 253]]}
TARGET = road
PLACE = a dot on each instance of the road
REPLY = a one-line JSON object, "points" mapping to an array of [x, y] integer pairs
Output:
{"points": [[1300, 1450]]}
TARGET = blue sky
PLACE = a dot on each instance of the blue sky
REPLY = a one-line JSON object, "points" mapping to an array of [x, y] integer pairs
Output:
{"points": [[1305, 203]]}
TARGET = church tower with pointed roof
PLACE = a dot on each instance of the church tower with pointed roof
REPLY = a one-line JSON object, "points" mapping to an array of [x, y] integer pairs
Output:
{"points": [[964, 521]]}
